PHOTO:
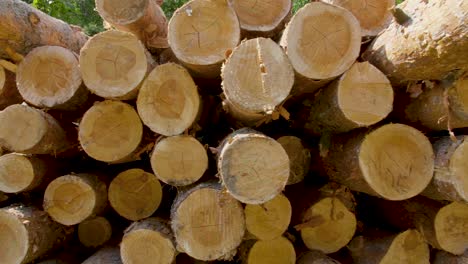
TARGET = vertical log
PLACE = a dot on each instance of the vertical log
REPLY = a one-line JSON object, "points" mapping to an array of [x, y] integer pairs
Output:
{"points": [[94, 232]]}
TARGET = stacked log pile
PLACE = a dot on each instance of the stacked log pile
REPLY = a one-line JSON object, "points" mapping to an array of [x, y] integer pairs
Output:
{"points": [[236, 131]]}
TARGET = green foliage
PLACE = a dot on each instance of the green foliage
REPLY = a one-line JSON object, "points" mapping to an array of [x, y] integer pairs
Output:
{"points": [[169, 6], [297, 4]]}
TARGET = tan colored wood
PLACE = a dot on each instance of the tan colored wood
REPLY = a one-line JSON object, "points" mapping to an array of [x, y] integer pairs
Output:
{"points": [[257, 78], [168, 102], [200, 34], [148, 241], [114, 63], [8, 91], [264, 18], [20, 173], [179, 160], [299, 158], [443, 107], [144, 18], [361, 97], [269, 220], [315, 257], [427, 41], [393, 161], [94, 232], [108, 255], [110, 131], [451, 228], [254, 168], [27, 233], [450, 181], [277, 251], [49, 77], [28, 130], [71, 199], [23, 28], [135, 194], [322, 41], [406, 247], [207, 222], [374, 16]]}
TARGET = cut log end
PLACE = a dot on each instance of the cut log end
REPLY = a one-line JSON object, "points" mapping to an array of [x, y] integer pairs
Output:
{"points": [[269, 220], [373, 16], [168, 102], [397, 161], [19, 173], [322, 40], [110, 131], [113, 64], [408, 247], [135, 194], [299, 158], [208, 223], [179, 160], [49, 77], [13, 238], [459, 168], [328, 226], [257, 77], [451, 228], [122, 12], [192, 31], [254, 168], [276, 251], [94, 232], [142, 245]]}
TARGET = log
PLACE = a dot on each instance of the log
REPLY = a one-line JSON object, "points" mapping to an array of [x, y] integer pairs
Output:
{"points": [[257, 78], [49, 77], [269, 220], [442, 257], [427, 41], [27, 233], [207, 222], [111, 131], [168, 102], [150, 239], [276, 251], [23, 28], [108, 255], [254, 168], [322, 41], [144, 18], [71, 199], [135, 194], [449, 181], [406, 247], [373, 16], [21, 173], [201, 33], [361, 97], [31, 131], [443, 107], [179, 160], [262, 18], [299, 158], [315, 257], [114, 63], [8, 91], [94, 232], [393, 161]]}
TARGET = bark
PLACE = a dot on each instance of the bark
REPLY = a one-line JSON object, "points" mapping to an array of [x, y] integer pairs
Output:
{"points": [[315, 257], [108, 255]]}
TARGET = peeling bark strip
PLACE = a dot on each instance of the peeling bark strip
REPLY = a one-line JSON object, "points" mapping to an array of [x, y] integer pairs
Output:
{"points": [[432, 43], [144, 18], [393, 161], [22, 28]]}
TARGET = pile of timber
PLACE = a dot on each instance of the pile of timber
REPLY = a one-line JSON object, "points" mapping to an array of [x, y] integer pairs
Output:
{"points": [[236, 131]]}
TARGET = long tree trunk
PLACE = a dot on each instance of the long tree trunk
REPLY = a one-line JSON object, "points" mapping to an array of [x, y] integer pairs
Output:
{"points": [[322, 41], [207, 222], [94, 232], [8, 91], [393, 161], [202, 33], [28, 233], [426, 41], [23, 28], [144, 18], [257, 78]]}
